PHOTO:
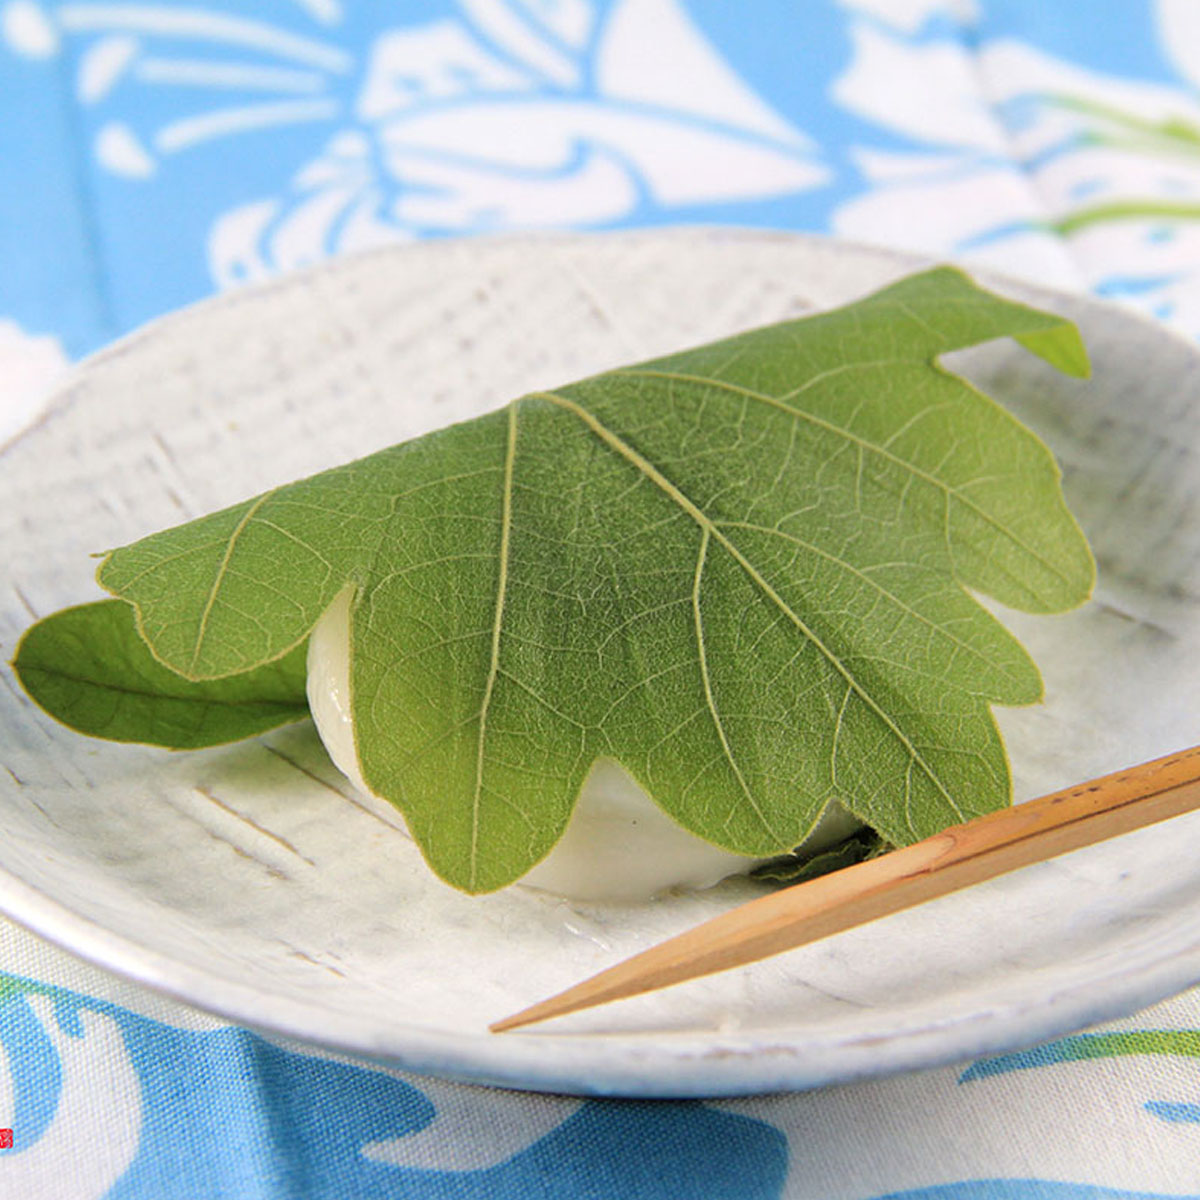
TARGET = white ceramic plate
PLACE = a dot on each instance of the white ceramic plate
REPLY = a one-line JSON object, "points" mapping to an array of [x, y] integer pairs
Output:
{"points": [[248, 881]]}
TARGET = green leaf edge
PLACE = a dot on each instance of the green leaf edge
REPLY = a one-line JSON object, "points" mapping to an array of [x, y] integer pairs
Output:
{"points": [[1058, 343], [46, 664]]}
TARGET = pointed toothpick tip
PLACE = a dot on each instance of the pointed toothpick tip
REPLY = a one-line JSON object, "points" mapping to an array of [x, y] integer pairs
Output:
{"points": [[516, 1021], [587, 994]]}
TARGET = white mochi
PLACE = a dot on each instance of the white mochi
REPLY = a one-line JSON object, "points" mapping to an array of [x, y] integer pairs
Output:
{"points": [[619, 846]]}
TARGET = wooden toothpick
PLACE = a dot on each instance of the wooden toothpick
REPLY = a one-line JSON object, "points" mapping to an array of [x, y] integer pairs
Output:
{"points": [[957, 857]]}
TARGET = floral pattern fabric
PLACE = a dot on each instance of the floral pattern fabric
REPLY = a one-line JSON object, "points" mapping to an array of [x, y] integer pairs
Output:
{"points": [[154, 153]]}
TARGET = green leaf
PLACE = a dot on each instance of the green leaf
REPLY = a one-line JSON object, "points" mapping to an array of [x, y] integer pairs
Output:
{"points": [[743, 571], [89, 668], [860, 846]]}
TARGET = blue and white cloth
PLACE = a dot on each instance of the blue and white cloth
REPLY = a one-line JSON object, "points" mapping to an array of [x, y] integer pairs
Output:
{"points": [[153, 153]]}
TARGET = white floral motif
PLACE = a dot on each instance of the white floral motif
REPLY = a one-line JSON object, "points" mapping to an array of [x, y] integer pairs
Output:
{"points": [[1034, 165], [506, 114], [975, 1143], [457, 138], [96, 1129], [962, 183]]}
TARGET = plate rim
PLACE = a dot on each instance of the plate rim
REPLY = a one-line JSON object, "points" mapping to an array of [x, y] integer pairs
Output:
{"points": [[730, 1065], [706, 1064]]}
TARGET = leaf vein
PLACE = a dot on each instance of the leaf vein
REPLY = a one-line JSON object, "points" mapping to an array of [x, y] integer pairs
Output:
{"points": [[864, 576], [704, 521], [210, 601], [840, 431], [497, 626], [709, 698]]}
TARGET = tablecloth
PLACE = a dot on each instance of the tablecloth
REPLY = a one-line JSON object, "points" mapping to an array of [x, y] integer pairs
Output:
{"points": [[152, 154]]}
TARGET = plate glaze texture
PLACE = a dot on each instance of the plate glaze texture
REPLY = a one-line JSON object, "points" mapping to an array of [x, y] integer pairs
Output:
{"points": [[251, 881]]}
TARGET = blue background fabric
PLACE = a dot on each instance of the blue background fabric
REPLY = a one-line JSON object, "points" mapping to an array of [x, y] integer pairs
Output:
{"points": [[152, 154]]}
